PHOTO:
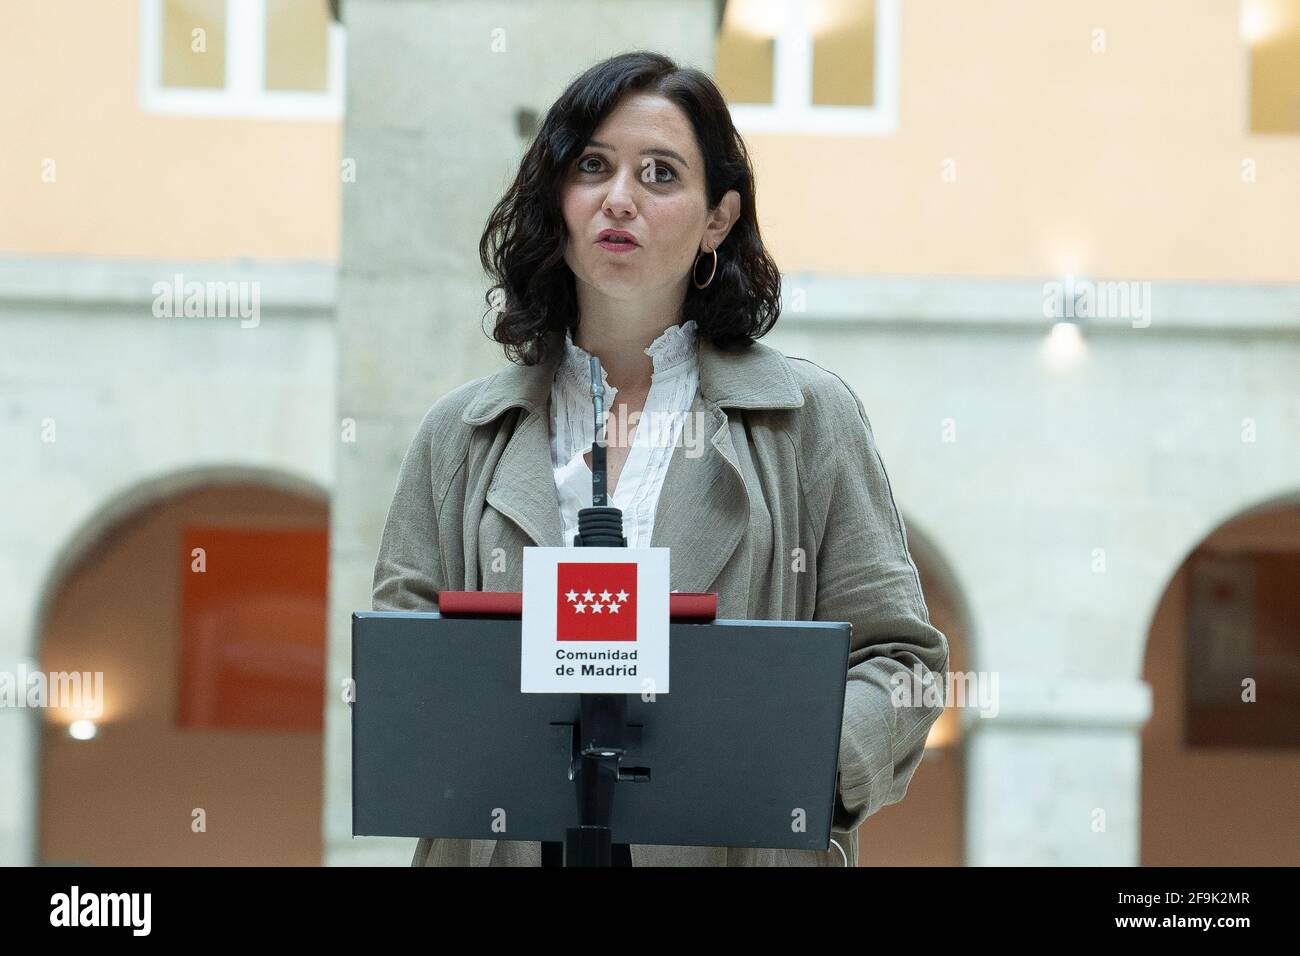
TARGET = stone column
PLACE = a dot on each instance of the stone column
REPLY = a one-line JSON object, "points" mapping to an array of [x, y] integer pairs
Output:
{"points": [[1053, 776]]}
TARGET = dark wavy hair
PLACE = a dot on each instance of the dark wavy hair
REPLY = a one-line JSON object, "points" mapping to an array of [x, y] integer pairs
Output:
{"points": [[522, 247]]}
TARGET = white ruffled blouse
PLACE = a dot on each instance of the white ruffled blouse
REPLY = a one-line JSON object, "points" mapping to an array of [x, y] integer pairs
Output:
{"points": [[674, 382]]}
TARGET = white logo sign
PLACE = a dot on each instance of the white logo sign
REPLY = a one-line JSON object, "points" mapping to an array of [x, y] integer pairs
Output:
{"points": [[595, 621]]}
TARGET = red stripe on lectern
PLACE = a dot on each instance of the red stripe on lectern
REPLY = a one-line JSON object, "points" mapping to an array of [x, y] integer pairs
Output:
{"points": [[692, 605]]}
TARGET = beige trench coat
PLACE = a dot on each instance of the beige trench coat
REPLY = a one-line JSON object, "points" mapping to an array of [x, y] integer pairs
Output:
{"points": [[788, 468]]}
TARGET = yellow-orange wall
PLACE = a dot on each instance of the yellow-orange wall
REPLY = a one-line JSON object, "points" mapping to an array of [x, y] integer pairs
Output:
{"points": [[136, 184], [1126, 163]]}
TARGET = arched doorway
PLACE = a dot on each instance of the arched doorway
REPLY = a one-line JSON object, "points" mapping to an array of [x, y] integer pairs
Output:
{"points": [[200, 598], [925, 828], [1221, 752]]}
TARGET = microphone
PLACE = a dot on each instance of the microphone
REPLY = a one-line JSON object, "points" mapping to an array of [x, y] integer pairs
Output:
{"points": [[600, 732], [599, 526], [599, 479]]}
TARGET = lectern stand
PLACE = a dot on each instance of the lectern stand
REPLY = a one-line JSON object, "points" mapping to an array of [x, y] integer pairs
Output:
{"points": [[743, 751]]}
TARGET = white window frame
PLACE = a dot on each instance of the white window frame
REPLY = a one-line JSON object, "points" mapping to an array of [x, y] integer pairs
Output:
{"points": [[792, 109], [245, 93]]}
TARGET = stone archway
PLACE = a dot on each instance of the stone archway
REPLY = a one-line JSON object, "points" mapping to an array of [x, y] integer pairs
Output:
{"points": [[111, 596], [926, 828], [1226, 596]]}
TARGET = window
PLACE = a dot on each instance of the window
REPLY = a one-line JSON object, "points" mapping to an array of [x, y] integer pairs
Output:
{"points": [[1271, 29], [271, 58], [822, 66]]}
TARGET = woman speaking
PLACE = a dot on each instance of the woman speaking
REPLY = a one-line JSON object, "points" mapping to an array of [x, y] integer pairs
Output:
{"points": [[630, 233]]}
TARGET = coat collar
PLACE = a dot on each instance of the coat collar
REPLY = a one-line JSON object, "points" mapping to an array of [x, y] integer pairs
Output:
{"points": [[756, 377], [704, 499]]}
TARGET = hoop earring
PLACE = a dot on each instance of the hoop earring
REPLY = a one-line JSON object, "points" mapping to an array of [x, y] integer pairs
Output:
{"points": [[695, 281]]}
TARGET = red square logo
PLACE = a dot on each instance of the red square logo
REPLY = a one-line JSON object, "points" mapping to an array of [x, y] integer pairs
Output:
{"points": [[595, 601]]}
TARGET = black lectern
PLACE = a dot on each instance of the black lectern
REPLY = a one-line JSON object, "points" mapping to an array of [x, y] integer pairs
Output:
{"points": [[743, 752]]}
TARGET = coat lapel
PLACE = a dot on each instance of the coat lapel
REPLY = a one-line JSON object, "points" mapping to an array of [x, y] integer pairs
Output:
{"points": [[524, 486], [704, 504]]}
